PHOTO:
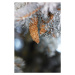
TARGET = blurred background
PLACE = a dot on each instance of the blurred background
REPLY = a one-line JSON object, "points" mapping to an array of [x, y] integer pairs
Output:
{"points": [[30, 56]]}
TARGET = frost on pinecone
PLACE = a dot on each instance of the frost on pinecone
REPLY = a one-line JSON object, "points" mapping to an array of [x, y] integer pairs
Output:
{"points": [[47, 14]]}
